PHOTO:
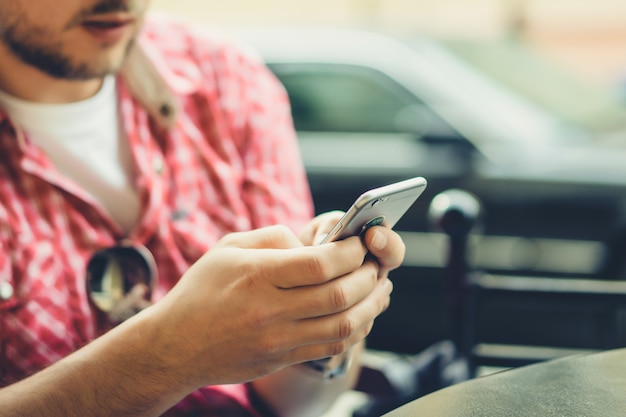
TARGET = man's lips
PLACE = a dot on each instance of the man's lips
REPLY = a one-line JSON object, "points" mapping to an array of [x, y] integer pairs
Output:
{"points": [[108, 28], [104, 25], [108, 20]]}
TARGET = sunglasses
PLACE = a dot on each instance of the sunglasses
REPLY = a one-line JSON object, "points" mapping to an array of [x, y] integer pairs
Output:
{"points": [[120, 281]]}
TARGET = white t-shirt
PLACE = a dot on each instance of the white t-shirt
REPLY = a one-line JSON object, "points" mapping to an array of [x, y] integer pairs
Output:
{"points": [[86, 143]]}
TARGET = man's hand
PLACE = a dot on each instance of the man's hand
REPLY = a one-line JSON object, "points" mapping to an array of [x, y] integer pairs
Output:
{"points": [[297, 391], [319, 226], [260, 301], [384, 244]]}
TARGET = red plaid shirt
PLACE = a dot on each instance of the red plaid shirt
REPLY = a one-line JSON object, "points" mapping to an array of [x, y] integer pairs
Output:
{"points": [[226, 160]]}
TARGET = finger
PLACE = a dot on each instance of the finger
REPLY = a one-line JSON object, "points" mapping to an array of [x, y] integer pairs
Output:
{"points": [[386, 246], [311, 265], [331, 335], [332, 297], [270, 237], [342, 325], [316, 229]]}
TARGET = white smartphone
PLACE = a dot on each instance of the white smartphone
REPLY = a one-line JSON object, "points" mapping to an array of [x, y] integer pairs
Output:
{"points": [[380, 206]]}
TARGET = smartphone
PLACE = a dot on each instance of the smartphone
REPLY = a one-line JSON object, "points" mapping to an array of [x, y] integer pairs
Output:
{"points": [[380, 206]]}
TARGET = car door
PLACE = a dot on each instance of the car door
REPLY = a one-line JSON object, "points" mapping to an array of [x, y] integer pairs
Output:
{"points": [[359, 128]]}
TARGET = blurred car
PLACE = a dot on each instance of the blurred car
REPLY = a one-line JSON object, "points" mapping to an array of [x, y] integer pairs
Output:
{"points": [[547, 162]]}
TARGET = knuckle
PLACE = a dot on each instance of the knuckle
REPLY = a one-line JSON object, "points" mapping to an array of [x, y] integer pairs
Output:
{"points": [[279, 230], [362, 333], [339, 298], [372, 268], [260, 321], [384, 304], [229, 239], [345, 327], [338, 348], [401, 250], [318, 266], [271, 346], [250, 274]]}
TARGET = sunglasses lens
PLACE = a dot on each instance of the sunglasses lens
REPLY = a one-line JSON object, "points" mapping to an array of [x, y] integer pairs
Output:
{"points": [[107, 287], [120, 280]]}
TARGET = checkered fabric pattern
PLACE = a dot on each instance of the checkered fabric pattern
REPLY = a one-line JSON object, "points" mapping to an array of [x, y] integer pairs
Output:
{"points": [[230, 162]]}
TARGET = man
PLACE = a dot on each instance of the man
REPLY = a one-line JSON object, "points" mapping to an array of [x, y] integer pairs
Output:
{"points": [[120, 133]]}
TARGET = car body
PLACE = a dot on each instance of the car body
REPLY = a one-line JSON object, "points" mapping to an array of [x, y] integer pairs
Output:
{"points": [[371, 109]]}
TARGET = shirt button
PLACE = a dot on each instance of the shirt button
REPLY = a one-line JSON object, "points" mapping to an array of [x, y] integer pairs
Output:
{"points": [[157, 165], [165, 110], [6, 291]]}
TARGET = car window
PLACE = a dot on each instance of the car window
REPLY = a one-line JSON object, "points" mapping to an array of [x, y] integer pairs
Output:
{"points": [[569, 98], [345, 98]]}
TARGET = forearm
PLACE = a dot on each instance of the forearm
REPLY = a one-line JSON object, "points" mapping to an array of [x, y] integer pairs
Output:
{"points": [[300, 392], [120, 374]]}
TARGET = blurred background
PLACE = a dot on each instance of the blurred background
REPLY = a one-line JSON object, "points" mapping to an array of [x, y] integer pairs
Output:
{"points": [[587, 36], [514, 111]]}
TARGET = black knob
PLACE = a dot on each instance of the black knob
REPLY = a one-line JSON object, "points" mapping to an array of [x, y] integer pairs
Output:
{"points": [[455, 212]]}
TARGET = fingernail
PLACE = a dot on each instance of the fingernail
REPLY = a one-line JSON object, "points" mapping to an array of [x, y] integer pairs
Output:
{"points": [[379, 240]]}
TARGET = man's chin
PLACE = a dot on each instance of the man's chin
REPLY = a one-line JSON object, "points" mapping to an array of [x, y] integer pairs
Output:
{"points": [[97, 67]]}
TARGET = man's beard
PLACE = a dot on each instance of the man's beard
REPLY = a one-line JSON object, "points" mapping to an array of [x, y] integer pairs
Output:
{"points": [[52, 61], [31, 45]]}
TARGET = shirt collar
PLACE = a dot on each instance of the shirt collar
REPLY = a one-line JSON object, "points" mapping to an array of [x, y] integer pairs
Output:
{"points": [[153, 83]]}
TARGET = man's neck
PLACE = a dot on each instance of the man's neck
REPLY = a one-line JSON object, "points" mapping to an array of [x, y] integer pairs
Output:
{"points": [[28, 83]]}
